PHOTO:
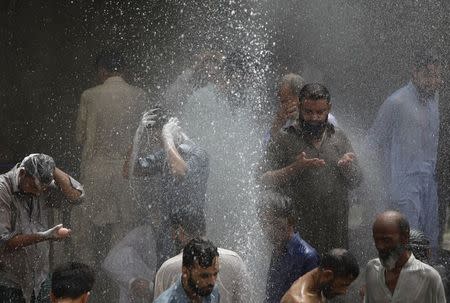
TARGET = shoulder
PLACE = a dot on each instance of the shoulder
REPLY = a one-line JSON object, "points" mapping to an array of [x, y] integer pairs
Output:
{"points": [[171, 266], [231, 260], [195, 150], [91, 91], [6, 186], [428, 272], [340, 135], [228, 255], [303, 248], [374, 265], [400, 96], [165, 297], [286, 136]]}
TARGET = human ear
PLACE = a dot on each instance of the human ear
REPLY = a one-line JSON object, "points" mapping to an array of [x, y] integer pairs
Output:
{"points": [[328, 275]]}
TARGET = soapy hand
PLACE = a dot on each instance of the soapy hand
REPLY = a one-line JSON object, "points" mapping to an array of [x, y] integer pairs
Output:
{"points": [[56, 232], [171, 132], [149, 117]]}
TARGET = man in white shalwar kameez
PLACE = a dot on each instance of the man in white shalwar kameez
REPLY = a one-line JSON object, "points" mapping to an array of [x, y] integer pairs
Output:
{"points": [[397, 276]]}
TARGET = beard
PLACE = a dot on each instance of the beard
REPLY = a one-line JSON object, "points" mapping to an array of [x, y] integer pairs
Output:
{"points": [[200, 291], [390, 258], [314, 130]]}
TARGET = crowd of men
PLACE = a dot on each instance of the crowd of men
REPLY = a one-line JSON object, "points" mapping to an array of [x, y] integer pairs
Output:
{"points": [[158, 252]]}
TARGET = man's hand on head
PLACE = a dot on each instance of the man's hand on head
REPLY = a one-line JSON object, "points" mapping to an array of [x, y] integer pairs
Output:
{"points": [[149, 117]]}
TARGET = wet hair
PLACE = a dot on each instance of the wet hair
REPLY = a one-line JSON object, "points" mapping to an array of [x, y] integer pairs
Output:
{"points": [[40, 166], [193, 222], [293, 81], [341, 262], [199, 251], [422, 58], [277, 205], [111, 60], [314, 91], [72, 280], [419, 245]]}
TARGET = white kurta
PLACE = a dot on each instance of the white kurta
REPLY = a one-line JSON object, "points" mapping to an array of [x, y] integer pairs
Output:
{"points": [[133, 257], [232, 280], [417, 283], [107, 119]]}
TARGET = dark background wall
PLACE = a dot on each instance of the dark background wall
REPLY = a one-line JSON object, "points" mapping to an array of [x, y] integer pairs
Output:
{"points": [[48, 48]]}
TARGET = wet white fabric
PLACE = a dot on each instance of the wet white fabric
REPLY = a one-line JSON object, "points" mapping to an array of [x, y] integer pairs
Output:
{"points": [[232, 280], [133, 257], [107, 120], [417, 283]]}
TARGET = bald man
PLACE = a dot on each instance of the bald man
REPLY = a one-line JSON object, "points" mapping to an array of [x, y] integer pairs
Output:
{"points": [[418, 281], [338, 269]]}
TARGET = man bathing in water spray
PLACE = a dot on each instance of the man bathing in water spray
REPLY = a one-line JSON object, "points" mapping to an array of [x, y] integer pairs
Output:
{"points": [[338, 269], [184, 169], [397, 276], [313, 163]]}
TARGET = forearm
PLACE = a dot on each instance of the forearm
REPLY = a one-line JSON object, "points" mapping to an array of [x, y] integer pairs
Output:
{"points": [[279, 176], [176, 162], [63, 181], [20, 241]]}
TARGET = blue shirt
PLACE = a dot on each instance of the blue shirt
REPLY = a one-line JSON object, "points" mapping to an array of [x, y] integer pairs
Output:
{"points": [[176, 294], [406, 133], [186, 192], [297, 259]]}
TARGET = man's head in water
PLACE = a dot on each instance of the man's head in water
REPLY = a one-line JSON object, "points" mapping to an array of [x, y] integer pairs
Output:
{"points": [[391, 236], [314, 107], [338, 269], [276, 218], [200, 267], [36, 174]]}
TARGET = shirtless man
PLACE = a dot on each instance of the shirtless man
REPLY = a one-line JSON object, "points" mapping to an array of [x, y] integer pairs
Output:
{"points": [[338, 269]]}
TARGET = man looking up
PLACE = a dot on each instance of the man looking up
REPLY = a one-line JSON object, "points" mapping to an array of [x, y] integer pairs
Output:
{"points": [[292, 257], [71, 283], [338, 269], [199, 273], [26, 193], [405, 138], [313, 163], [396, 275]]}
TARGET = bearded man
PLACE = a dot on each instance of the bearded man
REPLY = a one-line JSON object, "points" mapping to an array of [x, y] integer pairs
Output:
{"points": [[418, 281]]}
